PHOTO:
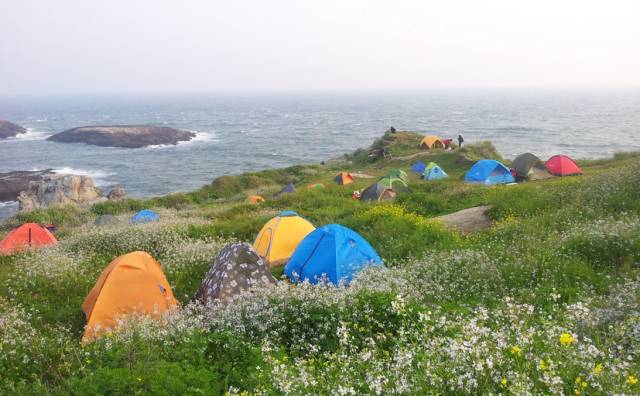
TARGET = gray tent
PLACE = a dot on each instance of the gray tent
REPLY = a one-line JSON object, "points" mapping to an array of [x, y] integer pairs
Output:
{"points": [[530, 167], [377, 192], [236, 268], [106, 220]]}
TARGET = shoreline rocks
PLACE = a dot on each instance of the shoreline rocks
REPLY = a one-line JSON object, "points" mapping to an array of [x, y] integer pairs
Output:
{"points": [[12, 183], [9, 129], [126, 136], [54, 189]]}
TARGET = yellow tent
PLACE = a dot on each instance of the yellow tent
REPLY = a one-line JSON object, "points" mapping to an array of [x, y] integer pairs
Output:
{"points": [[131, 284], [255, 199], [431, 142], [278, 239]]}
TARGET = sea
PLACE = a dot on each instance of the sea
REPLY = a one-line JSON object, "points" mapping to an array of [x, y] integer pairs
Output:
{"points": [[236, 133]]}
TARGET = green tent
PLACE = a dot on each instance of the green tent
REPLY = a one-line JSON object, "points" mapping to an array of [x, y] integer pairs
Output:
{"points": [[399, 174], [395, 183]]}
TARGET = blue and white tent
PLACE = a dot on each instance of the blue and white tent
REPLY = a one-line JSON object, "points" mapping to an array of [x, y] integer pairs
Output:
{"points": [[144, 216], [489, 172], [331, 253], [434, 172]]}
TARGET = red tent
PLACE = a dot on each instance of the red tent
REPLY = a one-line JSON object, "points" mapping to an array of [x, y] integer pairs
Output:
{"points": [[26, 236], [561, 165]]}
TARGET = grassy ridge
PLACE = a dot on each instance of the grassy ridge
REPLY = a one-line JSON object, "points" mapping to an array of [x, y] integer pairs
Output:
{"points": [[545, 301]]}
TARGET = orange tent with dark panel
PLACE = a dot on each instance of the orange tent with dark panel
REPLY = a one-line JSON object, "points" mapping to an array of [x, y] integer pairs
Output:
{"points": [[344, 178], [132, 284], [29, 235], [431, 142], [315, 186], [255, 199]]}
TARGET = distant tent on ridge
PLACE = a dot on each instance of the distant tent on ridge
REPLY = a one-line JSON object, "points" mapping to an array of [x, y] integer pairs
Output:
{"points": [[562, 165], [431, 142], [343, 178], [28, 235], [419, 167], [434, 172], [144, 216], [106, 219], [280, 236], [377, 192], [315, 186], [288, 189], [489, 172], [131, 284], [332, 252], [529, 167], [255, 199], [235, 269]]}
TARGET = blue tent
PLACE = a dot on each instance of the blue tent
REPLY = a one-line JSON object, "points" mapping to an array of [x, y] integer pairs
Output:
{"points": [[434, 172], [145, 216], [419, 167], [332, 252], [289, 188], [489, 172]]}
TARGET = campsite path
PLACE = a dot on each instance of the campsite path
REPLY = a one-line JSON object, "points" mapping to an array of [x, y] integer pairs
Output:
{"points": [[468, 220]]}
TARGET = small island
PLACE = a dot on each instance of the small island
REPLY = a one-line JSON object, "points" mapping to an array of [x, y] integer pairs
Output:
{"points": [[9, 129], [127, 136]]}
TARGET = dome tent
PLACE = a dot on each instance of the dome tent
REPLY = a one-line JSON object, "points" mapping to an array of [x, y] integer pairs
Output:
{"points": [[419, 167], [562, 165], [235, 269], [279, 237], [396, 180], [144, 216], [343, 178], [332, 252], [489, 172], [28, 235], [529, 167], [434, 172], [288, 189], [131, 284], [377, 192], [255, 199], [431, 142]]}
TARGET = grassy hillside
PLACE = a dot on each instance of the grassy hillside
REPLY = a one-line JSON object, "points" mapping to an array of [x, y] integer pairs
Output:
{"points": [[545, 301]]}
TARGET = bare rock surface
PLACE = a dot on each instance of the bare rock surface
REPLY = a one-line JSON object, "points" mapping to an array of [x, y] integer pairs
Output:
{"points": [[9, 129], [116, 194], [468, 220], [11, 183], [127, 136], [56, 189]]}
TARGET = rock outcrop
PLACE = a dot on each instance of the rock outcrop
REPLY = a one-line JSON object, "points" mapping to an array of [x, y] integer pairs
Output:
{"points": [[128, 136], [116, 194], [59, 190], [9, 129], [11, 183], [468, 220]]}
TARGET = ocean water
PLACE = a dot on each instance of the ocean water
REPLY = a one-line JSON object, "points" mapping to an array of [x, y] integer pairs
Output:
{"points": [[238, 133]]}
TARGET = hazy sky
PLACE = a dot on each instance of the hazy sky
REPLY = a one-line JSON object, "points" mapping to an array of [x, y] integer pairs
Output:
{"points": [[139, 46]]}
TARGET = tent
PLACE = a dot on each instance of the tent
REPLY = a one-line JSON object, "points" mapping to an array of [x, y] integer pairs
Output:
{"points": [[377, 192], [431, 142], [529, 167], [315, 186], [434, 172], [399, 174], [288, 189], [235, 269], [106, 219], [561, 165], [419, 167], [332, 252], [28, 235], [490, 172], [394, 183], [278, 239], [144, 216], [255, 199], [343, 178], [131, 284]]}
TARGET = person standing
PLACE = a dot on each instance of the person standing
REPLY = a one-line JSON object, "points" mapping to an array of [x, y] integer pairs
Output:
{"points": [[460, 141]]}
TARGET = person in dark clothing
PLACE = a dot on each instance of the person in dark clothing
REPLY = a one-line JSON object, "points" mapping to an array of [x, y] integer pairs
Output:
{"points": [[392, 129], [460, 141]]}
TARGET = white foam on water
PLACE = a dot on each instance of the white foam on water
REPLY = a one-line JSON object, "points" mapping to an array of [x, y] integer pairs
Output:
{"points": [[201, 137], [100, 177], [31, 134], [8, 204]]}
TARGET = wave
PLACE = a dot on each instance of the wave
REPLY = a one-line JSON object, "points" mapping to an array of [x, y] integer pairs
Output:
{"points": [[31, 134], [201, 137], [99, 177], [8, 204]]}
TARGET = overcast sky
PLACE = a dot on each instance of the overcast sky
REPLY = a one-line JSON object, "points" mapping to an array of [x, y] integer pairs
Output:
{"points": [[156, 46]]}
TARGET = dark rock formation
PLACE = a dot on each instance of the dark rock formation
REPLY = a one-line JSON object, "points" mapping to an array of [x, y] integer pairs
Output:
{"points": [[9, 129], [128, 136], [116, 194], [11, 183]]}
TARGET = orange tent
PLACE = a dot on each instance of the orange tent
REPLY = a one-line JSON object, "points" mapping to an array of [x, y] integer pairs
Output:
{"points": [[431, 142], [131, 284], [26, 236], [344, 178], [255, 199], [280, 236], [315, 186]]}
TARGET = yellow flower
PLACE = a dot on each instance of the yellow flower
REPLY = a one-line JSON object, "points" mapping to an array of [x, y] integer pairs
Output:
{"points": [[578, 380], [516, 350], [504, 381], [543, 365], [566, 339], [632, 380], [598, 368]]}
